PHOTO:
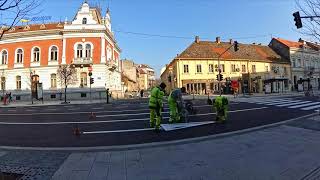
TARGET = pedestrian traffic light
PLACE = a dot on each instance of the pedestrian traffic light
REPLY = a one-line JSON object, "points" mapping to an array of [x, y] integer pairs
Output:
{"points": [[297, 19], [91, 80], [236, 46]]}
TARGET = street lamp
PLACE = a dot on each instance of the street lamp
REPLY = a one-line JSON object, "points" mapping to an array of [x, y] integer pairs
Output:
{"points": [[31, 86]]}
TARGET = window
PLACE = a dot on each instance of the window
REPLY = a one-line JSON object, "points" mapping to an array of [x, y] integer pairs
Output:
{"points": [[53, 53], [19, 56], [299, 64], [210, 68], [83, 79], [267, 68], [79, 51], [285, 71], [293, 63], [3, 83], [253, 68], [243, 68], [217, 69], [36, 54], [233, 68], [199, 70], [222, 68], [186, 68], [84, 21], [18, 82], [88, 51], [4, 57], [53, 81]]}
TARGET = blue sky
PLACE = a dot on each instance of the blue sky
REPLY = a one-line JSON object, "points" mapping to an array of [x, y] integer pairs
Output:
{"points": [[237, 19]]}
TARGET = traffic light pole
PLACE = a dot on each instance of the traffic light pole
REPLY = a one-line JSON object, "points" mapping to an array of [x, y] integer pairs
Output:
{"points": [[219, 69]]}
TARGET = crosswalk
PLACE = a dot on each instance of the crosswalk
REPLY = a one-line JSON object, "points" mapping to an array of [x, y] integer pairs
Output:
{"points": [[290, 103]]}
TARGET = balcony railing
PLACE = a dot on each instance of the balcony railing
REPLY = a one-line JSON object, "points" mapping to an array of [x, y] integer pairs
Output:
{"points": [[83, 60]]}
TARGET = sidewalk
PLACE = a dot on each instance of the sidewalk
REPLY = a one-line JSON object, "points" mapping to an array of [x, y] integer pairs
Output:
{"points": [[50, 103], [286, 152]]}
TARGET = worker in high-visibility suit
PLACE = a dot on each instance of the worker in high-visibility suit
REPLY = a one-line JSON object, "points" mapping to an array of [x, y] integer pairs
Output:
{"points": [[156, 106], [176, 105], [221, 108]]}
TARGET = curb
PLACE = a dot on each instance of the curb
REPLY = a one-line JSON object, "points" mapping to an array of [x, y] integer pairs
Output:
{"points": [[156, 144], [59, 104]]}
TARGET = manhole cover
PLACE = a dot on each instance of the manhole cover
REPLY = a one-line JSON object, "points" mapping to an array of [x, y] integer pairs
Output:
{"points": [[10, 176]]}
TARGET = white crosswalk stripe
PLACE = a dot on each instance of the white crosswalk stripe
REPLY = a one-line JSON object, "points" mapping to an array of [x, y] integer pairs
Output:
{"points": [[285, 103]]}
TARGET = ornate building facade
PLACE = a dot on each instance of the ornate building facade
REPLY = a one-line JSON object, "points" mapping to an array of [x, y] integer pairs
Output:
{"points": [[87, 42]]}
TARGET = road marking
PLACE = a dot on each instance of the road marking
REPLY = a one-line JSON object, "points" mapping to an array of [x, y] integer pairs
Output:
{"points": [[84, 112], [303, 105], [118, 131], [115, 121], [51, 109], [30, 110], [283, 102], [171, 127], [136, 114], [97, 108], [273, 101], [73, 109], [310, 108], [291, 104], [12, 110]]}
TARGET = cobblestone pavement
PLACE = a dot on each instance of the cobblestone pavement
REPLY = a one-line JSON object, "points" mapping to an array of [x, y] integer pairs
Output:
{"points": [[34, 165]]}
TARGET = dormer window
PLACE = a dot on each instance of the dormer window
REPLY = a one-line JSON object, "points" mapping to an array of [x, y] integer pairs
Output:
{"points": [[84, 21]]}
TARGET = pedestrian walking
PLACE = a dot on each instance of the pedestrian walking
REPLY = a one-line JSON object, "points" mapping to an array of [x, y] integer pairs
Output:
{"points": [[156, 106], [176, 105]]}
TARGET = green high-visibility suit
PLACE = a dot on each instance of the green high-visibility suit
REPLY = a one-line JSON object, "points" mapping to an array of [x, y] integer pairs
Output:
{"points": [[155, 106], [175, 102], [221, 108]]}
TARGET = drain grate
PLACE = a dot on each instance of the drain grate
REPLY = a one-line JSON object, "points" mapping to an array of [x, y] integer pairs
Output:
{"points": [[10, 176]]}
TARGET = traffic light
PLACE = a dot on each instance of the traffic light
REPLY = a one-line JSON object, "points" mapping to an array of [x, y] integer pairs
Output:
{"points": [[90, 73], [91, 80], [218, 77], [297, 19], [221, 77], [236, 46]]}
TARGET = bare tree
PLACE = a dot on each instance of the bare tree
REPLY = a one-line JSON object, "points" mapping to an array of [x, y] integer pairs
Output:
{"points": [[311, 25], [15, 11], [67, 75]]}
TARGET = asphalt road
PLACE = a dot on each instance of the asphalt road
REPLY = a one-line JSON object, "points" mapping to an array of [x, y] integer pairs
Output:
{"points": [[126, 123]]}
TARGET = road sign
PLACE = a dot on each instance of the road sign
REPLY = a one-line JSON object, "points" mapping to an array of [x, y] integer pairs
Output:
{"points": [[90, 68]]}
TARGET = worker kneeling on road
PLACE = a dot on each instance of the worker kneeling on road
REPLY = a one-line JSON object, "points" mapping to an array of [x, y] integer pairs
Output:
{"points": [[176, 105], [221, 108], [156, 106]]}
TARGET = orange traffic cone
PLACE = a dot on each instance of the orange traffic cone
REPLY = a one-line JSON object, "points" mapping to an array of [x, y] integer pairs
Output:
{"points": [[92, 115], [76, 131]]}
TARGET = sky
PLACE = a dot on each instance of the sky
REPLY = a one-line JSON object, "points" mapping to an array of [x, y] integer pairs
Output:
{"points": [[171, 25]]}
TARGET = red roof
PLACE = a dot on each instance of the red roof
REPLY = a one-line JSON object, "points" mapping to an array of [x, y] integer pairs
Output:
{"points": [[290, 43], [36, 27]]}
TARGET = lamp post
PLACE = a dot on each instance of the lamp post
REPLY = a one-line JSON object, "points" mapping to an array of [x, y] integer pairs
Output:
{"points": [[31, 86]]}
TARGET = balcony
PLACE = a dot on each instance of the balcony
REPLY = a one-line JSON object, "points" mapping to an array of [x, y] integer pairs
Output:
{"points": [[84, 61]]}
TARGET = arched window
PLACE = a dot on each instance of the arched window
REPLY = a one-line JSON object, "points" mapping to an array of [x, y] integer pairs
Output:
{"points": [[18, 82], [83, 79], [53, 81], [79, 51], [19, 56], [84, 21], [54, 53], [88, 51], [36, 54], [4, 57]]}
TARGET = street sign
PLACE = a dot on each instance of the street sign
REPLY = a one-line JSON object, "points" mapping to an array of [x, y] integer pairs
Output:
{"points": [[90, 68]]}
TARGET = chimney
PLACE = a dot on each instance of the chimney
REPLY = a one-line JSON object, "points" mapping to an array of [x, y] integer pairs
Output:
{"points": [[231, 41], [197, 39], [301, 40], [218, 40]]}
